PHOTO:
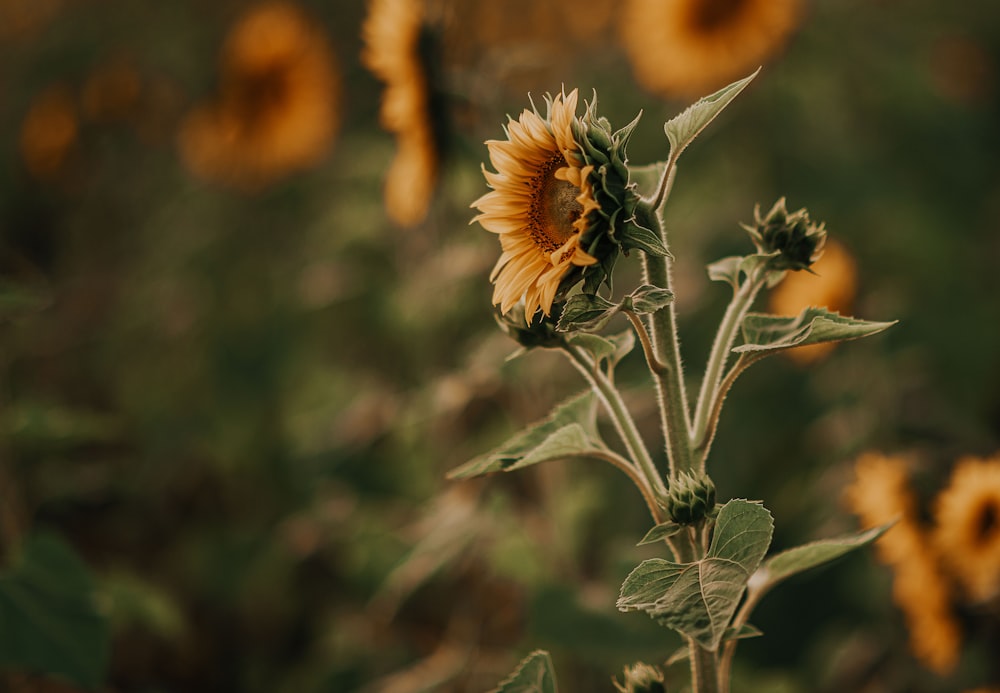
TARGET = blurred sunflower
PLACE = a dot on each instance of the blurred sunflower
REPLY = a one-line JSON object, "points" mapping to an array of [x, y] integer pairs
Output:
{"points": [[881, 493], [831, 284], [111, 92], [401, 48], [967, 532], [49, 132], [278, 108], [684, 47]]}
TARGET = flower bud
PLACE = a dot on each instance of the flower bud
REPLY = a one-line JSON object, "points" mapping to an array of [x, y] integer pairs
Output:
{"points": [[794, 240], [690, 498], [642, 678]]}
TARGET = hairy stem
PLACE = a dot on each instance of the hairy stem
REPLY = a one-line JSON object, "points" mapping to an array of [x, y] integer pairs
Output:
{"points": [[619, 414], [671, 394], [708, 395]]}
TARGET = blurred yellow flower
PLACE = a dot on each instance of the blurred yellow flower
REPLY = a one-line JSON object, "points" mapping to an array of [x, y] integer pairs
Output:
{"points": [[833, 286], [399, 51], [880, 493], [49, 132], [686, 47], [967, 526], [278, 108], [541, 196], [20, 18], [111, 92]]}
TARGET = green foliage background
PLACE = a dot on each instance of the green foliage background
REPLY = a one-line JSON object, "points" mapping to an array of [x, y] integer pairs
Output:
{"points": [[238, 409]]}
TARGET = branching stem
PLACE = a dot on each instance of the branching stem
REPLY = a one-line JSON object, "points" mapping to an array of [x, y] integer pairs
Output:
{"points": [[706, 414], [656, 366], [619, 414]]}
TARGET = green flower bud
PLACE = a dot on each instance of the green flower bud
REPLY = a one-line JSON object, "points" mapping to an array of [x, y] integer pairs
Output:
{"points": [[794, 240], [540, 332], [642, 678], [690, 497]]}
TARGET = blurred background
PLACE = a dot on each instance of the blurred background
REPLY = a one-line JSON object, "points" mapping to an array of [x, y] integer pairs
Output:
{"points": [[246, 331]]}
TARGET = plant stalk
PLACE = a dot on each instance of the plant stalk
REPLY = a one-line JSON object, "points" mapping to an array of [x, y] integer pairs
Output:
{"points": [[620, 417], [737, 309], [671, 395]]}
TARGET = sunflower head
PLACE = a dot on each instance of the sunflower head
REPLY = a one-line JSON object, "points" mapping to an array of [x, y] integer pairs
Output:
{"points": [[561, 203], [794, 240]]}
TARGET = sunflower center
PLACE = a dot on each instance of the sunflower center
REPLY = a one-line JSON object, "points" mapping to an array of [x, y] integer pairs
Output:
{"points": [[709, 15], [987, 521], [553, 207]]}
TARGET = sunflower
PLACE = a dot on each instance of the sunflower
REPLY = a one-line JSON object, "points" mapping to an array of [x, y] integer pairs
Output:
{"points": [[561, 204], [967, 532], [278, 109], [881, 493], [687, 46], [831, 284], [49, 132], [401, 50]]}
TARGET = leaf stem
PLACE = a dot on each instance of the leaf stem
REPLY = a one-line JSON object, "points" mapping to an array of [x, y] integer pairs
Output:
{"points": [[729, 648], [706, 414], [666, 183], [619, 414], [655, 365]]}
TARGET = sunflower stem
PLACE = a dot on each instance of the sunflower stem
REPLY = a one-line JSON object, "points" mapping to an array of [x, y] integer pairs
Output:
{"points": [[620, 417], [706, 414], [671, 395]]}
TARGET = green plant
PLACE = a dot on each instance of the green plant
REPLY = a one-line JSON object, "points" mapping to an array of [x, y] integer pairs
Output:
{"points": [[566, 204]]}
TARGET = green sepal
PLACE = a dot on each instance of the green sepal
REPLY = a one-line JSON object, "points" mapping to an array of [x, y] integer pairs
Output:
{"points": [[49, 620], [764, 333], [662, 531], [569, 431], [634, 235], [682, 129], [699, 599], [587, 312], [534, 674], [801, 558], [647, 299]]}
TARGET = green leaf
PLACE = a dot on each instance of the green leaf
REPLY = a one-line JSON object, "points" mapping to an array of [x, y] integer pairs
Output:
{"points": [[726, 270], [587, 312], [533, 675], [683, 128], [646, 178], [623, 342], [771, 333], [571, 429], [49, 621], [745, 632], [801, 558], [699, 599], [660, 532], [649, 299], [598, 347], [635, 236]]}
